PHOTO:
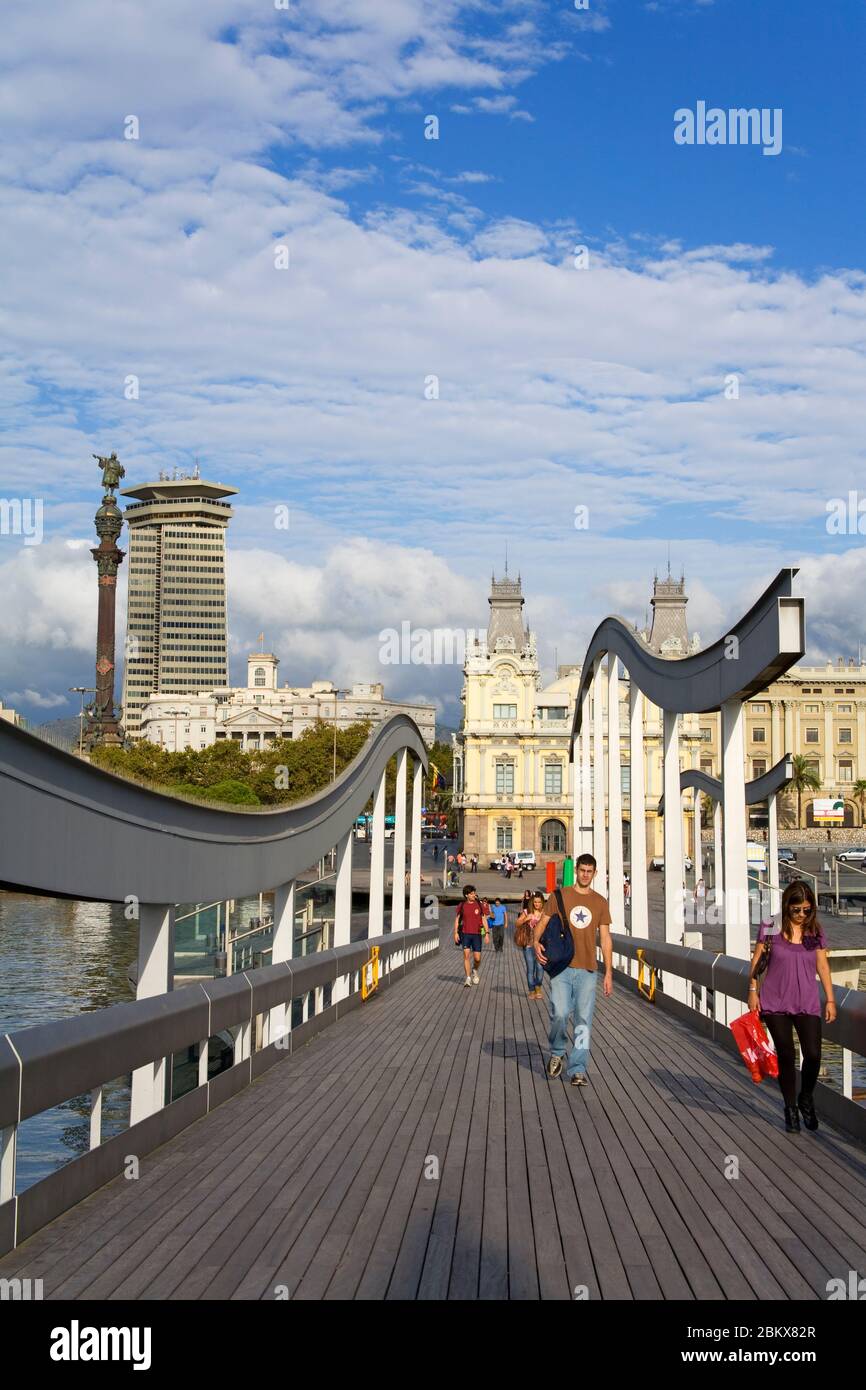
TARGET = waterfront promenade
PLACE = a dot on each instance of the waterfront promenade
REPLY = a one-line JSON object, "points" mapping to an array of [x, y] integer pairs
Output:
{"points": [[416, 1149]]}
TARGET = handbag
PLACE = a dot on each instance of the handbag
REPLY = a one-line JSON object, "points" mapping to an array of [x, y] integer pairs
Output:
{"points": [[764, 961], [754, 1046], [523, 936], [557, 941]]}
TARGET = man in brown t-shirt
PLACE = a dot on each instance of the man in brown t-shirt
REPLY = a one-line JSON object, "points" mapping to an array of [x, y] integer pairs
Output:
{"points": [[572, 991]]}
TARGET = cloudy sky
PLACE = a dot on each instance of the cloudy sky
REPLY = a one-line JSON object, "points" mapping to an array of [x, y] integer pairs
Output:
{"points": [[552, 306]]}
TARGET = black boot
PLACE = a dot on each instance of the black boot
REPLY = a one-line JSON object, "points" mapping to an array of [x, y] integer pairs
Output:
{"points": [[792, 1119], [807, 1108]]}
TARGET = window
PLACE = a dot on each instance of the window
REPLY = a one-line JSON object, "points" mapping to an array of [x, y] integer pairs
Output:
{"points": [[759, 735], [504, 837], [811, 735], [838, 690], [814, 766], [504, 711], [553, 837], [259, 678], [845, 736], [202, 730], [843, 709], [505, 779], [759, 709], [707, 766], [553, 779], [846, 770], [554, 712], [811, 709], [759, 767]]}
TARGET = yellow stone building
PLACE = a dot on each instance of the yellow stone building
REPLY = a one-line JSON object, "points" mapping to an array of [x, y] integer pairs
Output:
{"points": [[512, 778]]}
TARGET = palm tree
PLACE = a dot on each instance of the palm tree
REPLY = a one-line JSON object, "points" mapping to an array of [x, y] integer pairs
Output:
{"points": [[804, 779], [858, 791]]}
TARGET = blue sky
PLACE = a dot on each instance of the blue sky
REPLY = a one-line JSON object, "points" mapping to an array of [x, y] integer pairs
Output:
{"points": [[558, 387]]}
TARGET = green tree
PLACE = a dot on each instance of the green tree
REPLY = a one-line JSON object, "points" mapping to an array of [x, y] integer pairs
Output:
{"points": [[858, 791], [804, 779]]}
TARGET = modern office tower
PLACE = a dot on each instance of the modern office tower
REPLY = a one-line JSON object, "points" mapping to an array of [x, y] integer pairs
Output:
{"points": [[176, 607]]}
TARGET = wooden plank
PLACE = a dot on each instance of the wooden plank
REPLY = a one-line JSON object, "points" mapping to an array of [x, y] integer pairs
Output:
{"points": [[764, 1202], [523, 1273], [144, 1248], [494, 1253]]}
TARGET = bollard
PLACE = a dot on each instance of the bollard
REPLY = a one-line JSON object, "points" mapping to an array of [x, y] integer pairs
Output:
{"points": [[568, 872], [550, 871]]}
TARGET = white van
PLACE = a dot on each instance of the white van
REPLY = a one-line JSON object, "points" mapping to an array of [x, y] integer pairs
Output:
{"points": [[526, 857]]}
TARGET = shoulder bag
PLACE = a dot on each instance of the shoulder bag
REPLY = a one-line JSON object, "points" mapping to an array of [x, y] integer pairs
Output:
{"points": [[557, 940]]}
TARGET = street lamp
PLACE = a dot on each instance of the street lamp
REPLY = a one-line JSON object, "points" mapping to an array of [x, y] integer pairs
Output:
{"points": [[81, 690]]}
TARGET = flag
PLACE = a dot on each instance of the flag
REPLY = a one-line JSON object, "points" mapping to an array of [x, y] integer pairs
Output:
{"points": [[437, 781]]}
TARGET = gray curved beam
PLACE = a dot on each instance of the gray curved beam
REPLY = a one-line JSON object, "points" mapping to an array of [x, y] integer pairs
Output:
{"points": [[770, 638], [72, 830], [776, 777]]}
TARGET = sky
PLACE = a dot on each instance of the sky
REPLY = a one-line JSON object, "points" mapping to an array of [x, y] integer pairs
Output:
{"points": [[227, 234]]}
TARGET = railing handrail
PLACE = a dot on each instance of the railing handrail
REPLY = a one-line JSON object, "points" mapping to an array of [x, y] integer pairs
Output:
{"points": [[731, 977], [47, 1064]]}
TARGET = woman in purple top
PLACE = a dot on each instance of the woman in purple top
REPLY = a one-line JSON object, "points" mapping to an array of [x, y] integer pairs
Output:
{"points": [[789, 996]]}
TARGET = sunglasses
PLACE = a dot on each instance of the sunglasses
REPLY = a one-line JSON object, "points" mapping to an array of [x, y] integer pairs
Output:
{"points": [[799, 907]]}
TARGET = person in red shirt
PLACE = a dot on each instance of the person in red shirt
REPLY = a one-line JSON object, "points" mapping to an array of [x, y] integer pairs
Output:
{"points": [[470, 926]]}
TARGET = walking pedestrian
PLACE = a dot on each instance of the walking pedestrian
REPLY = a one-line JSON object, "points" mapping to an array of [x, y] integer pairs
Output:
{"points": [[469, 928], [509, 867], [498, 923], [795, 949], [524, 938], [700, 902], [572, 991]]}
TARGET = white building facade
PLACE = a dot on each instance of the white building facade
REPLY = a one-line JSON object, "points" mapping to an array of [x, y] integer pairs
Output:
{"points": [[260, 712]]}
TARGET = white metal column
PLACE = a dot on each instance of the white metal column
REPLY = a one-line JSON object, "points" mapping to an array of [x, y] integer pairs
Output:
{"points": [[674, 924], [586, 777], [155, 943], [637, 797], [377, 861], [598, 839], [415, 849], [773, 852], [343, 907], [699, 853], [614, 796], [734, 839], [398, 876], [280, 1018], [718, 859]]}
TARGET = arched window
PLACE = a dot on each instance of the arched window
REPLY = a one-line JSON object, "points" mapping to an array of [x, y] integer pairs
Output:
{"points": [[553, 837], [260, 678]]}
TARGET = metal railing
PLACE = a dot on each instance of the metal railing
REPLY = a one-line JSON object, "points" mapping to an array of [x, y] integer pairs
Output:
{"points": [[49, 1064], [712, 974]]}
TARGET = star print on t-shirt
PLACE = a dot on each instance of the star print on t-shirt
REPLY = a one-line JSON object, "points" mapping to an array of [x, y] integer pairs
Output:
{"points": [[580, 917]]}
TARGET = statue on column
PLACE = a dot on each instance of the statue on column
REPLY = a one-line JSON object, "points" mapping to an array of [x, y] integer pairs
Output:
{"points": [[112, 471]]}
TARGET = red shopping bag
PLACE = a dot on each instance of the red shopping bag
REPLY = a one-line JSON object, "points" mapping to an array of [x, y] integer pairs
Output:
{"points": [[756, 1050]]}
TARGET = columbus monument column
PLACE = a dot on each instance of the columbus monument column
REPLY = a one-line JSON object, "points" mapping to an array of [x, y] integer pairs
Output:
{"points": [[104, 720]]}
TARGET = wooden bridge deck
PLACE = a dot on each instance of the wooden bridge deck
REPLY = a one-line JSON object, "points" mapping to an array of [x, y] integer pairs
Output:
{"points": [[314, 1177]]}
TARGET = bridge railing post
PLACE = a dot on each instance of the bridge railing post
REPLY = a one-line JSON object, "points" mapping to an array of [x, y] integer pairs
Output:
{"points": [[8, 1150], [673, 840], [376, 920], [415, 847], [155, 943], [280, 1018], [616, 895], [736, 891], [637, 803], [398, 859], [343, 908], [598, 828]]}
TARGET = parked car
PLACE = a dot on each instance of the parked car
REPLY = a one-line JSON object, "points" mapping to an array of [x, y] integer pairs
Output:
{"points": [[658, 862], [526, 857], [788, 856], [852, 856]]}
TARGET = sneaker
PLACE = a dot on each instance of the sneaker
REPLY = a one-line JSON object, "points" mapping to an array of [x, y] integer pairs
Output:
{"points": [[580, 1079], [467, 981], [475, 977], [554, 1066]]}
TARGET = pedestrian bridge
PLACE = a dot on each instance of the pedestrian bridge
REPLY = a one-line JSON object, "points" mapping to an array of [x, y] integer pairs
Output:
{"points": [[414, 1148], [409, 1144]]}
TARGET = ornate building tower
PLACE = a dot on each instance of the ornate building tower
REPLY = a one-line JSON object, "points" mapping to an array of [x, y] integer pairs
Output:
{"points": [[103, 725]]}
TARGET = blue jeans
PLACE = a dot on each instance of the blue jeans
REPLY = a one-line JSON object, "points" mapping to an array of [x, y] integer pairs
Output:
{"points": [[572, 992], [534, 968]]}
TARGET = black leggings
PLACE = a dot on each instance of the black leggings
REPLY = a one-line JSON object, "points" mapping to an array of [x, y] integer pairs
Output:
{"points": [[781, 1029]]}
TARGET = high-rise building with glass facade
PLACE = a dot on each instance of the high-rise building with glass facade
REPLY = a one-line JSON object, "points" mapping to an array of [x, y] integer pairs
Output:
{"points": [[176, 635]]}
